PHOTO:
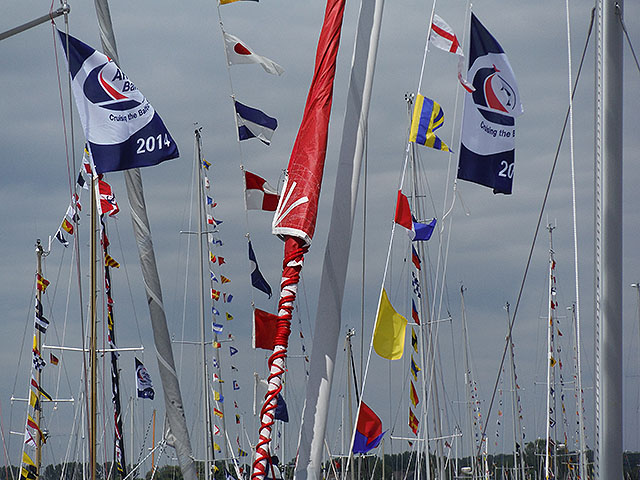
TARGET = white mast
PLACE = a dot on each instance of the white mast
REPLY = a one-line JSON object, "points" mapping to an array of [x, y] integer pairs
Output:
{"points": [[608, 239], [206, 409], [548, 473], [336, 259], [174, 409]]}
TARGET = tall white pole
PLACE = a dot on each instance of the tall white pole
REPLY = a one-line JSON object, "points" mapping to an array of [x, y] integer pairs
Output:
{"points": [[608, 239]]}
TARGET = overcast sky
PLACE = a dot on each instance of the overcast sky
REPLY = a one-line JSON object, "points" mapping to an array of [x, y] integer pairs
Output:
{"points": [[174, 54]]}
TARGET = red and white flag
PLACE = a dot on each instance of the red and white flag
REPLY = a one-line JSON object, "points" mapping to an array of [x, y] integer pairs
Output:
{"points": [[259, 194], [442, 36], [108, 202], [240, 52]]}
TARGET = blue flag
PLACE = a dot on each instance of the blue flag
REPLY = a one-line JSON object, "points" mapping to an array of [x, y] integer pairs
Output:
{"points": [[487, 150], [282, 413], [121, 127], [252, 123], [423, 231], [257, 280], [143, 382]]}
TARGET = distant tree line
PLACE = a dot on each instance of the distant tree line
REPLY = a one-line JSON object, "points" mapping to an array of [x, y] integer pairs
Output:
{"points": [[396, 467]]}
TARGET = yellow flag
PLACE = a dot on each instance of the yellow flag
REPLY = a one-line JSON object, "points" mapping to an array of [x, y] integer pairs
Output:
{"points": [[26, 460], [388, 337], [33, 399]]}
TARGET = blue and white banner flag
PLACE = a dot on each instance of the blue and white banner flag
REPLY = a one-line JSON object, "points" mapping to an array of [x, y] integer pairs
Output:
{"points": [[121, 127], [253, 123], [487, 150], [143, 382]]}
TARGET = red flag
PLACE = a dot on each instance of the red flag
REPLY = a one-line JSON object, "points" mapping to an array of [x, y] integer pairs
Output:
{"points": [[403, 212], [264, 329]]}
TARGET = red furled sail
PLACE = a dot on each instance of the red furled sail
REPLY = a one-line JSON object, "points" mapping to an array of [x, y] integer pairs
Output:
{"points": [[298, 207], [295, 217]]}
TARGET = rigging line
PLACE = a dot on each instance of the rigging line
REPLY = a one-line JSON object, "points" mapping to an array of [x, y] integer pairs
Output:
{"points": [[624, 29], [581, 466], [426, 45], [537, 229]]}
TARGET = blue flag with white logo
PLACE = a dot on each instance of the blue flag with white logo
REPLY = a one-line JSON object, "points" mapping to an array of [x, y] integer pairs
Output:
{"points": [[121, 127], [487, 150]]}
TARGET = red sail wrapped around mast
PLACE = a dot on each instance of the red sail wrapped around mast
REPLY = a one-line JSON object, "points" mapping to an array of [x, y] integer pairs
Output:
{"points": [[295, 217], [298, 207]]}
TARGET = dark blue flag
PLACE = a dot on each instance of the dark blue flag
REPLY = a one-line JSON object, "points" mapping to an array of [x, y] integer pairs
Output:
{"points": [[281, 413], [487, 149], [257, 280], [143, 381], [121, 127]]}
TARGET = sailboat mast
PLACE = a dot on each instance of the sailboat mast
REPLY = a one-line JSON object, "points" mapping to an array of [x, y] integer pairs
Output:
{"points": [[514, 401], [550, 360], [38, 373], [608, 239], [174, 409], [93, 358], [205, 390], [467, 381]]}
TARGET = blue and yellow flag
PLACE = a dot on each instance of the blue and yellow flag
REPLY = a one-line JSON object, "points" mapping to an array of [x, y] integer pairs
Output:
{"points": [[427, 117]]}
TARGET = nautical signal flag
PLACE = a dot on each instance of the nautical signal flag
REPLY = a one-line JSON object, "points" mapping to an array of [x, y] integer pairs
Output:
{"points": [[218, 413], [215, 294], [414, 369], [427, 118], [442, 36], [388, 336], [487, 148], [264, 329], [41, 283], [35, 385], [417, 231], [224, 279], [240, 52], [281, 412], [143, 382], [107, 202], [368, 430], [413, 395], [67, 226], [41, 323], [259, 194], [257, 279], [121, 127], [413, 422], [53, 359], [414, 340], [109, 261], [232, 350], [415, 258], [414, 312], [253, 123]]}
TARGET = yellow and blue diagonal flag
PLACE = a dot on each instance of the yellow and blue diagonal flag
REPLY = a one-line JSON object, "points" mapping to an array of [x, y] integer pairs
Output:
{"points": [[427, 117]]}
